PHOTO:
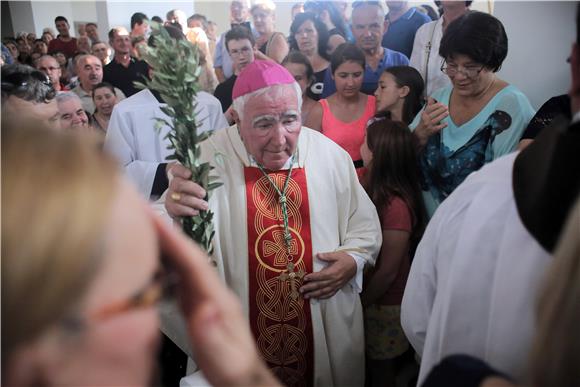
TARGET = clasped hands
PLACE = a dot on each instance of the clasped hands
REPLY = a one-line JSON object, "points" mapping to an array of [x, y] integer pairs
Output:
{"points": [[323, 284]]}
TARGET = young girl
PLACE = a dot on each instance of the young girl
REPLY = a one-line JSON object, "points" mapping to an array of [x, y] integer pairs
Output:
{"points": [[301, 69], [400, 92], [392, 182], [342, 117]]}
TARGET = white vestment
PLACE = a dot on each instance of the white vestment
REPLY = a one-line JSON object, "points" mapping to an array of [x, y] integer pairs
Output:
{"points": [[341, 217], [133, 140], [473, 282], [428, 62]]}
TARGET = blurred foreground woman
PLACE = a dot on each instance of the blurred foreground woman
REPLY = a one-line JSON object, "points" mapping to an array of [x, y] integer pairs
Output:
{"points": [[81, 275]]}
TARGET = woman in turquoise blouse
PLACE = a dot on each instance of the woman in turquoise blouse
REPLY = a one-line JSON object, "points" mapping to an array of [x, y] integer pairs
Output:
{"points": [[476, 119]]}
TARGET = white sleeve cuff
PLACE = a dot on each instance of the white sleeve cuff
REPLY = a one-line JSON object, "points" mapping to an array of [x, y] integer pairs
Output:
{"points": [[357, 281]]}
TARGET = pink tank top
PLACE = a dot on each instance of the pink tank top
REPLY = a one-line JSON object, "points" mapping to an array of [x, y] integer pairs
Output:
{"points": [[349, 135]]}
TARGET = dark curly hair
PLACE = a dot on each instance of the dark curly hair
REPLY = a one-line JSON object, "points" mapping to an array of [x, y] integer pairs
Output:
{"points": [[477, 35], [321, 30]]}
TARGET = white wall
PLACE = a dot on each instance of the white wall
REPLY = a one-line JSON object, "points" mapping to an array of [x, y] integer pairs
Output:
{"points": [[45, 11], [106, 14], [540, 35], [120, 11], [22, 17]]}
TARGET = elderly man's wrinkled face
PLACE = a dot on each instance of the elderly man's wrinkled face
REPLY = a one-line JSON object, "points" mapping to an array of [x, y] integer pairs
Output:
{"points": [[270, 126], [72, 115], [368, 26], [50, 67], [90, 72]]}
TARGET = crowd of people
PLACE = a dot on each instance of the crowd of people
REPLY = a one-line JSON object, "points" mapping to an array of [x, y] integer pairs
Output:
{"points": [[390, 213]]}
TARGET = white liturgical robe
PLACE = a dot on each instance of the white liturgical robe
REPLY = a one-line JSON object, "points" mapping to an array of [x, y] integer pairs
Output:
{"points": [[341, 217], [133, 140], [474, 279]]}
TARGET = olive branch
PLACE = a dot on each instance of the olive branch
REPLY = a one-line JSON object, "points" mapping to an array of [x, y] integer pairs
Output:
{"points": [[176, 70]]}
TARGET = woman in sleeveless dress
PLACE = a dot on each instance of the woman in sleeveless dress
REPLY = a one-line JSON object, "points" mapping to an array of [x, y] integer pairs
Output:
{"points": [[342, 117], [271, 44]]}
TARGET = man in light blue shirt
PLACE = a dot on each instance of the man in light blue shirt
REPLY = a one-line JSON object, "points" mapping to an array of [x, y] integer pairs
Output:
{"points": [[368, 28]]}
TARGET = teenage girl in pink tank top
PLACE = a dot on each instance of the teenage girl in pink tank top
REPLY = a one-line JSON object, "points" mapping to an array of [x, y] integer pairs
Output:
{"points": [[342, 117]]}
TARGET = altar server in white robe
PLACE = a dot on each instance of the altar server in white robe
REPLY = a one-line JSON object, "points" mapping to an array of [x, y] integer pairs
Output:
{"points": [[141, 149], [294, 229]]}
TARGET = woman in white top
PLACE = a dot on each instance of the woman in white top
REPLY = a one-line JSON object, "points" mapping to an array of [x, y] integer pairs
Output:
{"points": [[425, 56]]}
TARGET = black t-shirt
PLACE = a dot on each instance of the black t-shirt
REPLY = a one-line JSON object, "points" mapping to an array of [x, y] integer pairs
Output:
{"points": [[123, 77], [223, 92], [315, 90]]}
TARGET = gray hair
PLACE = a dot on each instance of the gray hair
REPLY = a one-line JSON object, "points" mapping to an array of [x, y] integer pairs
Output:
{"points": [[66, 96], [82, 57], [240, 102], [26, 83]]}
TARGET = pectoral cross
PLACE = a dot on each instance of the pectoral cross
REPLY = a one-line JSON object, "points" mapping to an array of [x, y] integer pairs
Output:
{"points": [[292, 275]]}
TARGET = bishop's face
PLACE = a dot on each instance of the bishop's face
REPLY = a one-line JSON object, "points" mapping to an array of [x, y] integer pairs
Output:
{"points": [[270, 126]]}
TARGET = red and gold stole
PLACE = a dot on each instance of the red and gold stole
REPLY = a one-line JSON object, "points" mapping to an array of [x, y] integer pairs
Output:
{"points": [[280, 320]]}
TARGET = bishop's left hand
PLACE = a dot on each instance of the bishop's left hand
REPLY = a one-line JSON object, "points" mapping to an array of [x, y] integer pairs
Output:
{"points": [[325, 283]]}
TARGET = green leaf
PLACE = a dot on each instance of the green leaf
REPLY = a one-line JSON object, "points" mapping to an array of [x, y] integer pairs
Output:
{"points": [[176, 78], [211, 186]]}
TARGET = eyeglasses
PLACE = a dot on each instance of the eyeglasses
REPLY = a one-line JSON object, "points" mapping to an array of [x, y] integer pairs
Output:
{"points": [[468, 71], [162, 287], [242, 51]]}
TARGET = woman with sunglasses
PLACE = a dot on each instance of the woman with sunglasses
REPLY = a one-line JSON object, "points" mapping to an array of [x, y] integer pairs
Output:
{"points": [[477, 118], [81, 280]]}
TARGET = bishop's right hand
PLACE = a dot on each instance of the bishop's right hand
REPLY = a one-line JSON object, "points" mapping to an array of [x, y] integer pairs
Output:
{"points": [[183, 197]]}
